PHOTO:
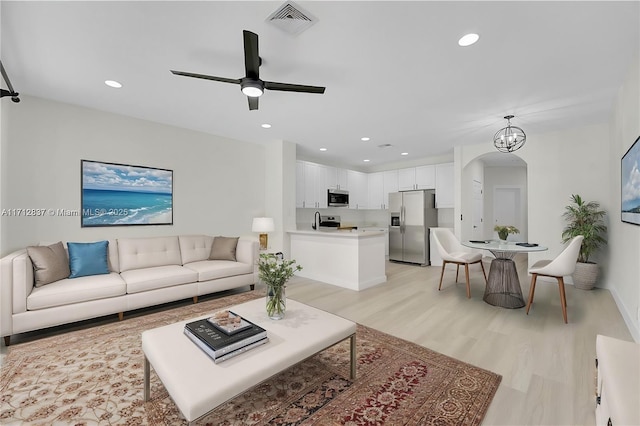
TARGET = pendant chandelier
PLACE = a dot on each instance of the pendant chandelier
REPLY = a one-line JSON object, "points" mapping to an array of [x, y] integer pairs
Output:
{"points": [[510, 138]]}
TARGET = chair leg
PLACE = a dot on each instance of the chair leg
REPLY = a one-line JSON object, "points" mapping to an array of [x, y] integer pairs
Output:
{"points": [[484, 273], [444, 263], [532, 290], [457, 271], [466, 273], [563, 298]]}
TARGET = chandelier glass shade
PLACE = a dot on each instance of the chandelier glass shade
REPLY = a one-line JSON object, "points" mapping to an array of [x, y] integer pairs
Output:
{"points": [[510, 138]]}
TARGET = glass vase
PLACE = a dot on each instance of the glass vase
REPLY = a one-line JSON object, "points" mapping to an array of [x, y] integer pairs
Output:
{"points": [[276, 302]]}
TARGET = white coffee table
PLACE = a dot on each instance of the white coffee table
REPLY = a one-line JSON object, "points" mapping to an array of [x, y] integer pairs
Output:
{"points": [[197, 385]]}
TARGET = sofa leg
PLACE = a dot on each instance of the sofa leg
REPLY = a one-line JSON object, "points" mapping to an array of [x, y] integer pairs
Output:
{"points": [[7, 340], [195, 299], [120, 316], [252, 286]]}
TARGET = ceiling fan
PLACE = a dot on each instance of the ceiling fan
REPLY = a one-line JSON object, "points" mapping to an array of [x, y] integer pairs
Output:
{"points": [[251, 85]]}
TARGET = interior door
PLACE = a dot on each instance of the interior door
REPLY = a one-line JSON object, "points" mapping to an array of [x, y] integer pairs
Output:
{"points": [[478, 207]]}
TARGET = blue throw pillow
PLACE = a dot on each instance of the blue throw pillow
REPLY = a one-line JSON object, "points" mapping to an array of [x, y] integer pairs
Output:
{"points": [[88, 258]]}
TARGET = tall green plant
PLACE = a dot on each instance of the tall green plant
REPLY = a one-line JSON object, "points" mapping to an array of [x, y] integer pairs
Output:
{"points": [[585, 219]]}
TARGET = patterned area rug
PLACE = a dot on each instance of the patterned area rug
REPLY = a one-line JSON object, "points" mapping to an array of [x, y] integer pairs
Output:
{"points": [[95, 376]]}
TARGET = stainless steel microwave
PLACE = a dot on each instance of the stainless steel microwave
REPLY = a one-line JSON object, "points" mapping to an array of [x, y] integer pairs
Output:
{"points": [[337, 198]]}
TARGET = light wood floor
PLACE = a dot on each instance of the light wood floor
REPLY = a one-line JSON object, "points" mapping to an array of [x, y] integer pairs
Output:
{"points": [[547, 366]]}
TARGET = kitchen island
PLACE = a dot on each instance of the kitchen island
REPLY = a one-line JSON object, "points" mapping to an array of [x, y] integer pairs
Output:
{"points": [[351, 259]]}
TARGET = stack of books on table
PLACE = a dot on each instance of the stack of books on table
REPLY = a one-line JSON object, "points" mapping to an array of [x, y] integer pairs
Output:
{"points": [[225, 335]]}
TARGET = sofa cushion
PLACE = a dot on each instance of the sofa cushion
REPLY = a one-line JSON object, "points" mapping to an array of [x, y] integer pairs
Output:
{"points": [[139, 280], [88, 259], [214, 269], [195, 247], [70, 291], [224, 248], [141, 253], [50, 263]]}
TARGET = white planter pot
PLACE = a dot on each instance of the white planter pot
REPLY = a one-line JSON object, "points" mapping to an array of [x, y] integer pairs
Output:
{"points": [[585, 275]]}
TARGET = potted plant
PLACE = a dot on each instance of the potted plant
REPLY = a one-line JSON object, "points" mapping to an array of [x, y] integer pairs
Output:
{"points": [[504, 231], [275, 271], [586, 219]]}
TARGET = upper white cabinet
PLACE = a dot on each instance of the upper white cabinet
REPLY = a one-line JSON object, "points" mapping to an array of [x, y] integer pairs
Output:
{"points": [[426, 177], [407, 179], [300, 184], [311, 184], [390, 184], [444, 186], [358, 185], [376, 188], [423, 177], [370, 190]]}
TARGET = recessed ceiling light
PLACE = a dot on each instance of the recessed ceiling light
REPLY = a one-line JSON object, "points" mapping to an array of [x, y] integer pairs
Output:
{"points": [[266, 125], [365, 139], [323, 149], [468, 39], [404, 153], [366, 161], [113, 83]]}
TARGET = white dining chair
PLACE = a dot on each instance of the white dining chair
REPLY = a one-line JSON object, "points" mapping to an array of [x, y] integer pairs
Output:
{"points": [[451, 251], [563, 265]]}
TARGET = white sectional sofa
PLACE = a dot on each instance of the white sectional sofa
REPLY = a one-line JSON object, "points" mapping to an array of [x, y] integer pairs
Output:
{"points": [[142, 272]]}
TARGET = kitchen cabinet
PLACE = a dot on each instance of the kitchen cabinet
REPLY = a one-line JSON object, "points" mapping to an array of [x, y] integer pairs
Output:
{"points": [[300, 187], [390, 184], [445, 188], [336, 178], [311, 185], [422, 177], [375, 190], [358, 190], [380, 185]]}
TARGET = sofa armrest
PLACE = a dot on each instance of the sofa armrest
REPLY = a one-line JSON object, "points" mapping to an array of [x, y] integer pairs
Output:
{"points": [[16, 282], [247, 252]]}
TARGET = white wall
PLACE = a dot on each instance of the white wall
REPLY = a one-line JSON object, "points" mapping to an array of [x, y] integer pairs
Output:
{"points": [[558, 164], [218, 182], [623, 274]]}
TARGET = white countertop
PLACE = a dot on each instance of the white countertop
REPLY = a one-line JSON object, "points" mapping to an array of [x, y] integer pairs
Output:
{"points": [[356, 233]]}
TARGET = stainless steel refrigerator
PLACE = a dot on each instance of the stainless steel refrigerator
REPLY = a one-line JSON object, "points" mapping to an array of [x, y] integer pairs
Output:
{"points": [[412, 214]]}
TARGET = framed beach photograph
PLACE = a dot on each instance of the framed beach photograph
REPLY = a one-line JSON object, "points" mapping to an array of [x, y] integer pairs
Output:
{"points": [[630, 184], [122, 195]]}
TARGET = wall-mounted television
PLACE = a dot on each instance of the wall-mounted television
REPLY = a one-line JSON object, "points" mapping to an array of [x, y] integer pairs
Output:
{"points": [[122, 195], [630, 184]]}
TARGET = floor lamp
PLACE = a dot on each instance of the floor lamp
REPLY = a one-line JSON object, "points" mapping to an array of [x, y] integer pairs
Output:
{"points": [[263, 225]]}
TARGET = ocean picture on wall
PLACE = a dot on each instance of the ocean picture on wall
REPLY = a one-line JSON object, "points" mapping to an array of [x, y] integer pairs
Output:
{"points": [[120, 195], [630, 169]]}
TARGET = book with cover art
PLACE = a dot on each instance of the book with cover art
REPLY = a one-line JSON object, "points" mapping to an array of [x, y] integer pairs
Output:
{"points": [[218, 356], [220, 342]]}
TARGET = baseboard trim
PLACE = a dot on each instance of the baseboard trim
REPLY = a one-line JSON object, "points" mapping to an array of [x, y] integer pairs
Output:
{"points": [[629, 319]]}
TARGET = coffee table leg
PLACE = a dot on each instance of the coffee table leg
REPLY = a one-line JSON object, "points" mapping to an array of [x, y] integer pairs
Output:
{"points": [[147, 386], [353, 356]]}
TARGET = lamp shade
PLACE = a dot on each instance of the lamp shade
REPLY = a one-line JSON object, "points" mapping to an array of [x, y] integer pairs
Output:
{"points": [[262, 224]]}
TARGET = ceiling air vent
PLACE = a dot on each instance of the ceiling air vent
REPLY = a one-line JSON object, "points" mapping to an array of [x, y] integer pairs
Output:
{"points": [[385, 145], [291, 18]]}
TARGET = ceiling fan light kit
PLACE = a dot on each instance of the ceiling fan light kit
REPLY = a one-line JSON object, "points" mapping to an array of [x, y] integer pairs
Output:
{"points": [[250, 84], [510, 138]]}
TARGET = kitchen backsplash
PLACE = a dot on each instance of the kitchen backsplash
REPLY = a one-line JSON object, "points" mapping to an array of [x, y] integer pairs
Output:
{"points": [[362, 218]]}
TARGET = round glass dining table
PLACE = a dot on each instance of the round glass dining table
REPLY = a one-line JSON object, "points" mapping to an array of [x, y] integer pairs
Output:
{"points": [[503, 287]]}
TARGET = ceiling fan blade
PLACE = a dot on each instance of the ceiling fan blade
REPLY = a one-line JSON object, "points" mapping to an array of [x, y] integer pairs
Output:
{"points": [[253, 102], [251, 55], [207, 77], [286, 87]]}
